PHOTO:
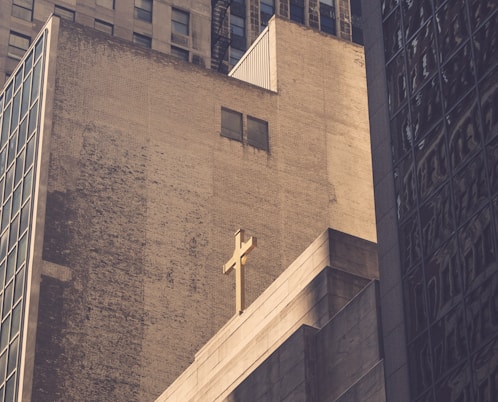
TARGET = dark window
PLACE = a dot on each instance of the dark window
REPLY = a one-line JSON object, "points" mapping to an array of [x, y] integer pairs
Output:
{"points": [[179, 52], [327, 16], [23, 9], [142, 40], [143, 10], [64, 13], [18, 44], [267, 9], [106, 3], [257, 133], [297, 11], [235, 55], [180, 21], [104, 27], [356, 22], [231, 124]]}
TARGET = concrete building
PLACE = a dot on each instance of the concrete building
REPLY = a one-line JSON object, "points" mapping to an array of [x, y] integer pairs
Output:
{"points": [[313, 335], [125, 173], [208, 33], [432, 77]]}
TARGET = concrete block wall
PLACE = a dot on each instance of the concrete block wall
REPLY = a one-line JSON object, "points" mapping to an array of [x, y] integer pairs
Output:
{"points": [[144, 196]]}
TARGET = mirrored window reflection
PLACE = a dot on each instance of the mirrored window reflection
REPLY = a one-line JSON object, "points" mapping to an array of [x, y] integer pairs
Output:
{"points": [[387, 6], [492, 155], [448, 341], [431, 161], [421, 57], [414, 290], [476, 240], [410, 242], [456, 386], [482, 324], [451, 27], [401, 135], [480, 10], [426, 108], [415, 14], [457, 76], [484, 370], [392, 35], [486, 46], [464, 129], [436, 223], [420, 365], [470, 189], [405, 187], [488, 89], [443, 282], [397, 85]]}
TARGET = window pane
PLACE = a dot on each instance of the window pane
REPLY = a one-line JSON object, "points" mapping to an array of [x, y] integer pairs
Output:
{"points": [[142, 40], [12, 364], [104, 27], [231, 124], [180, 21], [180, 53], [22, 250], [16, 318], [257, 133], [18, 291], [64, 13], [143, 10]]}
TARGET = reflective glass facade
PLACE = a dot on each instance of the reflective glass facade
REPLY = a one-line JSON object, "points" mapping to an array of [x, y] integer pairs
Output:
{"points": [[19, 117], [441, 60]]}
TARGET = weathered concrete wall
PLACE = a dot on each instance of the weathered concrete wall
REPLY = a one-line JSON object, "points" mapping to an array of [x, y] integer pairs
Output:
{"points": [[144, 196]]}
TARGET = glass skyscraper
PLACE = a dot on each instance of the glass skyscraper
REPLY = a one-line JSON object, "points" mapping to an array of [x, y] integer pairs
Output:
{"points": [[432, 71]]}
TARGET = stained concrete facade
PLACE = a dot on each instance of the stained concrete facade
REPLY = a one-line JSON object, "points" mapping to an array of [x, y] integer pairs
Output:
{"points": [[138, 196], [313, 335], [119, 16]]}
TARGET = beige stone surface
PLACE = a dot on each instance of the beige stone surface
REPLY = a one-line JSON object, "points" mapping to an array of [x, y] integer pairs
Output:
{"points": [[144, 196]]}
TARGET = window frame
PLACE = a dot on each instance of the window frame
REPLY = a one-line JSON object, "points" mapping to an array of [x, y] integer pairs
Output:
{"points": [[251, 134], [65, 13], [176, 23], [16, 55], [229, 130], [142, 40], [103, 23], [141, 13], [180, 53], [18, 5]]}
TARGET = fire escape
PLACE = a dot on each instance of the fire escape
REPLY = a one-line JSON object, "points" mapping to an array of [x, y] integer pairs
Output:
{"points": [[220, 34]]}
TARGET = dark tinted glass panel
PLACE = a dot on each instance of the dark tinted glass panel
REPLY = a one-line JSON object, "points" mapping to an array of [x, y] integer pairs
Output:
{"points": [[486, 46], [19, 288], [387, 6], [492, 154], [25, 95], [481, 312], [11, 365], [415, 14], [451, 27], [464, 127], [456, 386], [442, 274], [410, 242], [405, 186], [396, 83], [436, 220], [7, 300], [21, 138], [485, 372], [477, 248], [420, 362], [458, 76], [449, 345], [16, 320], [26, 191], [480, 10], [392, 35], [426, 108], [4, 333], [415, 302], [470, 189], [421, 57], [36, 81], [489, 104], [12, 149], [10, 389], [432, 162], [401, 134]]}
